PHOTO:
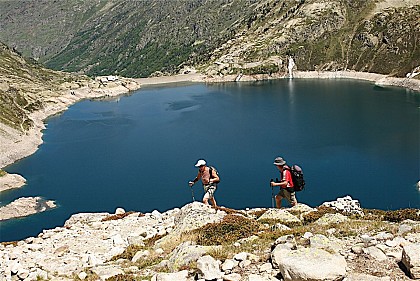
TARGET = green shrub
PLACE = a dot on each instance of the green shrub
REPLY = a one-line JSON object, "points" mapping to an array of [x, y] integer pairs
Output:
{"points": [[401, 215]]}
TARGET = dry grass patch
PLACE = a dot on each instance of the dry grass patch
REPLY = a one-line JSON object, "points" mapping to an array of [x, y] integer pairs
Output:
{"points": [[401, 215], [258, 247], [128, 253], [259, 213], [149, 261], [127, 277], [315, 215], [91, 276], [229, 230], [170, 244], [120, 216], [357, 227], [13, 243], [228, 210]]}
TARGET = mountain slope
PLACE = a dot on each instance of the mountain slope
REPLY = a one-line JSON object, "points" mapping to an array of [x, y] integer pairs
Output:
{"points": [[325, 35], [135, 38], [25, 86], [139, 38]]}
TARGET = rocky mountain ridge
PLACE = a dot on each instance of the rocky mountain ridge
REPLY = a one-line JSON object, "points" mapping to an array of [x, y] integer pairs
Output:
{"points": [[142, 38], [197, 242]]}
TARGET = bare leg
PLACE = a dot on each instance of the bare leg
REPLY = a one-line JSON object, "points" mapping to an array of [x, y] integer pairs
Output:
{"points": [[213, 201], [278, 201]]}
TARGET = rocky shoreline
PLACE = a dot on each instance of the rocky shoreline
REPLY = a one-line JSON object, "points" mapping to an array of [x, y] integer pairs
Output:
{"points": [[197, 242], [17, 145]]}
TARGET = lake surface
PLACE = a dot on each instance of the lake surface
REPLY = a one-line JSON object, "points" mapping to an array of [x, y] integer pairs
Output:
{"points": [[138, 152]]}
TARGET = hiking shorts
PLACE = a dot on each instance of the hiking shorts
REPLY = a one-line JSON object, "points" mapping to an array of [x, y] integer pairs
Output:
{"points": [[209, 191], [289, 196]]}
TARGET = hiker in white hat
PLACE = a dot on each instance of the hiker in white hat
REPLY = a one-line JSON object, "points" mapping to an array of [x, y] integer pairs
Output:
{"points": [[209, 178], [286, 184]]}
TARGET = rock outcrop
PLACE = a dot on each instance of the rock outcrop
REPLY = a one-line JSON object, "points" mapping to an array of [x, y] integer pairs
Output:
{"points": [[166, 246], [25, 206], [10, 181]]}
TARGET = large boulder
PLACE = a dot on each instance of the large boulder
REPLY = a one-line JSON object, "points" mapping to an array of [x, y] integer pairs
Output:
{"points": [[411, 259], [346, 204], [308, 264], [186, 253], [191, 216]]}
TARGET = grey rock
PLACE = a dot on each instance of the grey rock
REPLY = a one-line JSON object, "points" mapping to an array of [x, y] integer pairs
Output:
{"points": [[140, 255], [304, 264], [357, 249], [209, 268], [404, 228], [411, 259], [25, 206], [375, 252], [232, 277], [345, 204], [229, 264], [265, 267], [322, 242], [179, 276], [105, 272], [241, 256], [365, 277], [185, 253]]}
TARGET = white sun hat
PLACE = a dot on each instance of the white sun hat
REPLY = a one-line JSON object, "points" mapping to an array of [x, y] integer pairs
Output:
{"points": [[200, 162]]}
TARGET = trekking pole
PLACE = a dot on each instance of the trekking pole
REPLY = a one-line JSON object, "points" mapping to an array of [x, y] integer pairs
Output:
{"points": [[192, 193], [272, 194]]}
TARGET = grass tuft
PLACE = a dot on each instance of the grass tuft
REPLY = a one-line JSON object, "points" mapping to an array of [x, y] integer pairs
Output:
{"points": [[120, 216], [230, 229]]}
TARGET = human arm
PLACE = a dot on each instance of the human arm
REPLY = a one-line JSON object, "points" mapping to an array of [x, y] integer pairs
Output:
{"points": [[282, 184], [214, 178], [197, 178]]}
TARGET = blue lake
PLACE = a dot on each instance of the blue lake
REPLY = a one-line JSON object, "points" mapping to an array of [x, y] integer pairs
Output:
{"points": [[138, 152]]}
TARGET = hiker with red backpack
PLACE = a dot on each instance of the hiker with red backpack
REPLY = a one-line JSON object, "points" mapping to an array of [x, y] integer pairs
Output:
{"points": [[209, 178], [286, 183]]}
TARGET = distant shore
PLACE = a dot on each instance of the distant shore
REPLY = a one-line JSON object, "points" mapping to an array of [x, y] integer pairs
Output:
{"points": [[17, 145], [379, 79]]}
